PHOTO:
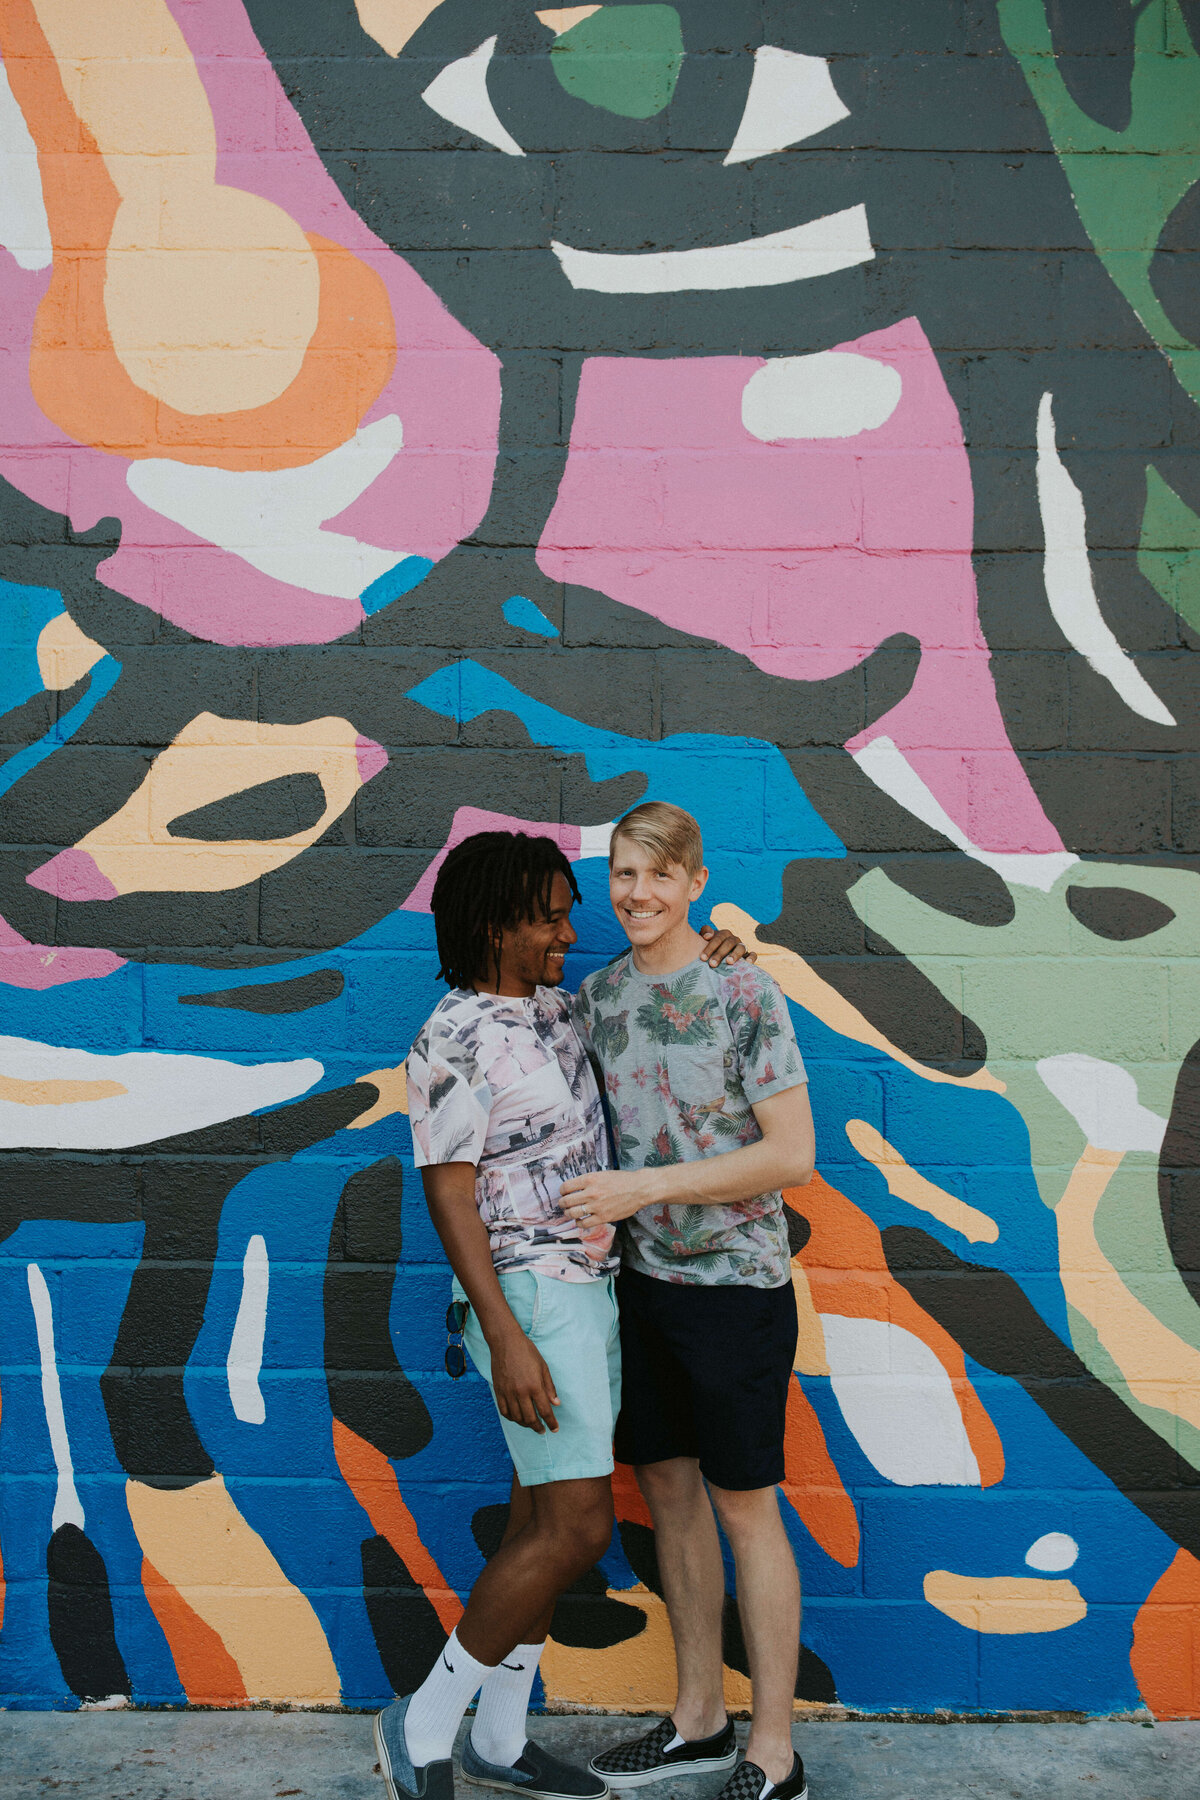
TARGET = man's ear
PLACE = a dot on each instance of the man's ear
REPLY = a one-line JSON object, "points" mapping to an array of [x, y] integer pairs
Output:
{"points": [[699, 883]]}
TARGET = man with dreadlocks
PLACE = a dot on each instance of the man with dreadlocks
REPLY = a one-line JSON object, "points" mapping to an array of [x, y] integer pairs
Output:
{"points": [[504, 1109]]}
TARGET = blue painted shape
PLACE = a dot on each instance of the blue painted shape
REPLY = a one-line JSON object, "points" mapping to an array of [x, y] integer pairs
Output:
{"points": [[731, 784], [104, 674], [88, 1269], [396, 581], [527, 617], [24, 614], [879, 1637]]}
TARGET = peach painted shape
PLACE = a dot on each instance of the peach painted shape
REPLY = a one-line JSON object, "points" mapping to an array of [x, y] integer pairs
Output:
{"points": [[393, 1096], [207, 1673], [1158, 1366], [907, 1184], [801, 983], [64, 654], [221, 1567], [57, 1093], [392, 22], [74, 370], [135, 851], [1005, 1605]]}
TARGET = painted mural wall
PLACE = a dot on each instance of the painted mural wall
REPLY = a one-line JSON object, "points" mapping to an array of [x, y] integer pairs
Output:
{"points": [[415, 415]]}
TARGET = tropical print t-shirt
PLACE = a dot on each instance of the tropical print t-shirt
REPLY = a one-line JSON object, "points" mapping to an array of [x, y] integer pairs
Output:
{"points": [[685, 1056], [506, 1084]]}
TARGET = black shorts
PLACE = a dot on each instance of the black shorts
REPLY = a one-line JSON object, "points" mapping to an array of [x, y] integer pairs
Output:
{"points": [[705, 1373]]}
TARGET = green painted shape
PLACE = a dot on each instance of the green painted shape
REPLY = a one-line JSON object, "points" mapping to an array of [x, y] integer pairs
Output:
{"points": [[1169, 548], [1043, 985], [625, 59], [1125, 183]]}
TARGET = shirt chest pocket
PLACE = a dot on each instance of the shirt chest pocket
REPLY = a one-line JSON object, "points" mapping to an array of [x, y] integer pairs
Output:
{"points": [[696, 1074]]}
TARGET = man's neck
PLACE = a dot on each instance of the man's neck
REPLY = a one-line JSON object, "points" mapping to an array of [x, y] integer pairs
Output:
{"points": [[509, 987], [671, 953]]}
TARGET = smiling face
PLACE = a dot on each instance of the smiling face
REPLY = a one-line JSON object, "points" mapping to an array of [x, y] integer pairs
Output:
{"points": [[651, 898], [532, 950]]}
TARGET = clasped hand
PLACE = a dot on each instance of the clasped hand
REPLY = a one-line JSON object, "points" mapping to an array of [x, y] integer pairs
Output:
{"points": [[608, 1195]]}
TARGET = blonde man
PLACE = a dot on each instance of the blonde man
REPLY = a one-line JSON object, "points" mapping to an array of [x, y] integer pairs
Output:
{"points": [[709, 1105]]}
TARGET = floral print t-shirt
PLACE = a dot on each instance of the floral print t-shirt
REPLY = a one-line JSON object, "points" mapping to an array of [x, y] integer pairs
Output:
{"points": [[506, 1084], [685, 1056]]}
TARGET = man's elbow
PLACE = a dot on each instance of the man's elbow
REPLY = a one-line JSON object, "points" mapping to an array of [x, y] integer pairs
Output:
{"points": [[799, 1168]]}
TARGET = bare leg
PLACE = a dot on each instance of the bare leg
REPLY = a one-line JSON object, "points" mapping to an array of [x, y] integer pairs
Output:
{"points": [[693, 1578], [568, 1529], [768, 1591], [520, 1514]]}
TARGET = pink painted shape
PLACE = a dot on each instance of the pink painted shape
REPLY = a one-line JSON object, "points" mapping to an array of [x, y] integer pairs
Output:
{"points": [[40, 966], [371, 757], [72, 875], [802, 554], [470, 819], [445, 387]]}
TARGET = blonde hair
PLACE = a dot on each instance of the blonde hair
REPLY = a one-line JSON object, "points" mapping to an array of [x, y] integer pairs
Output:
{"points": [[663, 831]]}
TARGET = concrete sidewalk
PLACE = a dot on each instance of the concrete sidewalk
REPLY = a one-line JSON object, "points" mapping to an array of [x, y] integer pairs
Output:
{"points": [[330, 1756]]}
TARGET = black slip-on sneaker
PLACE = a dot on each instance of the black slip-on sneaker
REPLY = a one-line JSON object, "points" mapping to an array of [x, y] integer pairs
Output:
{"points": [[536, 1772], [663, 1752], [749, 1783]]}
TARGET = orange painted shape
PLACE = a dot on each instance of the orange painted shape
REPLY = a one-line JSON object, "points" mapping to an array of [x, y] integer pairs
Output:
{"points": [[208, 1673], [1166, 1642], [848, 1274], [813, 1485], [372, 1480], [74, 371], [628, 1500]]}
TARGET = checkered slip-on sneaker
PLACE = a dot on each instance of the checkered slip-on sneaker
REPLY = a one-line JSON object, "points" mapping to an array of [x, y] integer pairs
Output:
{"points": [[435, 1781], [536, 1773], [749, 1783], [663, 1752]]}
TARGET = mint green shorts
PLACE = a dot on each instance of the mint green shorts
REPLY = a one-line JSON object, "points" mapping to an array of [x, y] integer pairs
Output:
{"points": [[574, 1325]]}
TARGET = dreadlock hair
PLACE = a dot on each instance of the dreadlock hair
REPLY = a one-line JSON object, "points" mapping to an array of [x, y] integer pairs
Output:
{"points": [[486, 884]]}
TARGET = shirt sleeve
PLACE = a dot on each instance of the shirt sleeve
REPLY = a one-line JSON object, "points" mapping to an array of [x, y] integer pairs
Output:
{"points": [[769, 1059], [449, 1103]]}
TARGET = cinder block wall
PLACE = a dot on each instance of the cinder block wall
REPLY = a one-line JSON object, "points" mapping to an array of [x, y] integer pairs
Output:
{"points": [[417, 415]]}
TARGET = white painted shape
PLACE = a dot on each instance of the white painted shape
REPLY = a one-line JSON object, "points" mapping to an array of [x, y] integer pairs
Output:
{"points": [[1068, 577], [890, 770], [1102, 1098], [791, 98], [820, 247], [1053, 1553], [68, 1509], [832, 394], [460, 94], [243, 1365], [897, 1400], [271, 518], [24, 227], [166, 1094], [594, 841]]}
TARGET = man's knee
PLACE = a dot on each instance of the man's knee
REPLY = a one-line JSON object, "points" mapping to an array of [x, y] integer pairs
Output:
{"points": [[577, 1527], [670, 1483], [746, 1512]]}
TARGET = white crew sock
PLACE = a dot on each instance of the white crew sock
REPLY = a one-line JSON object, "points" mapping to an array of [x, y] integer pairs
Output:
{"points": [[436, 1709], [498, 1733]]}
